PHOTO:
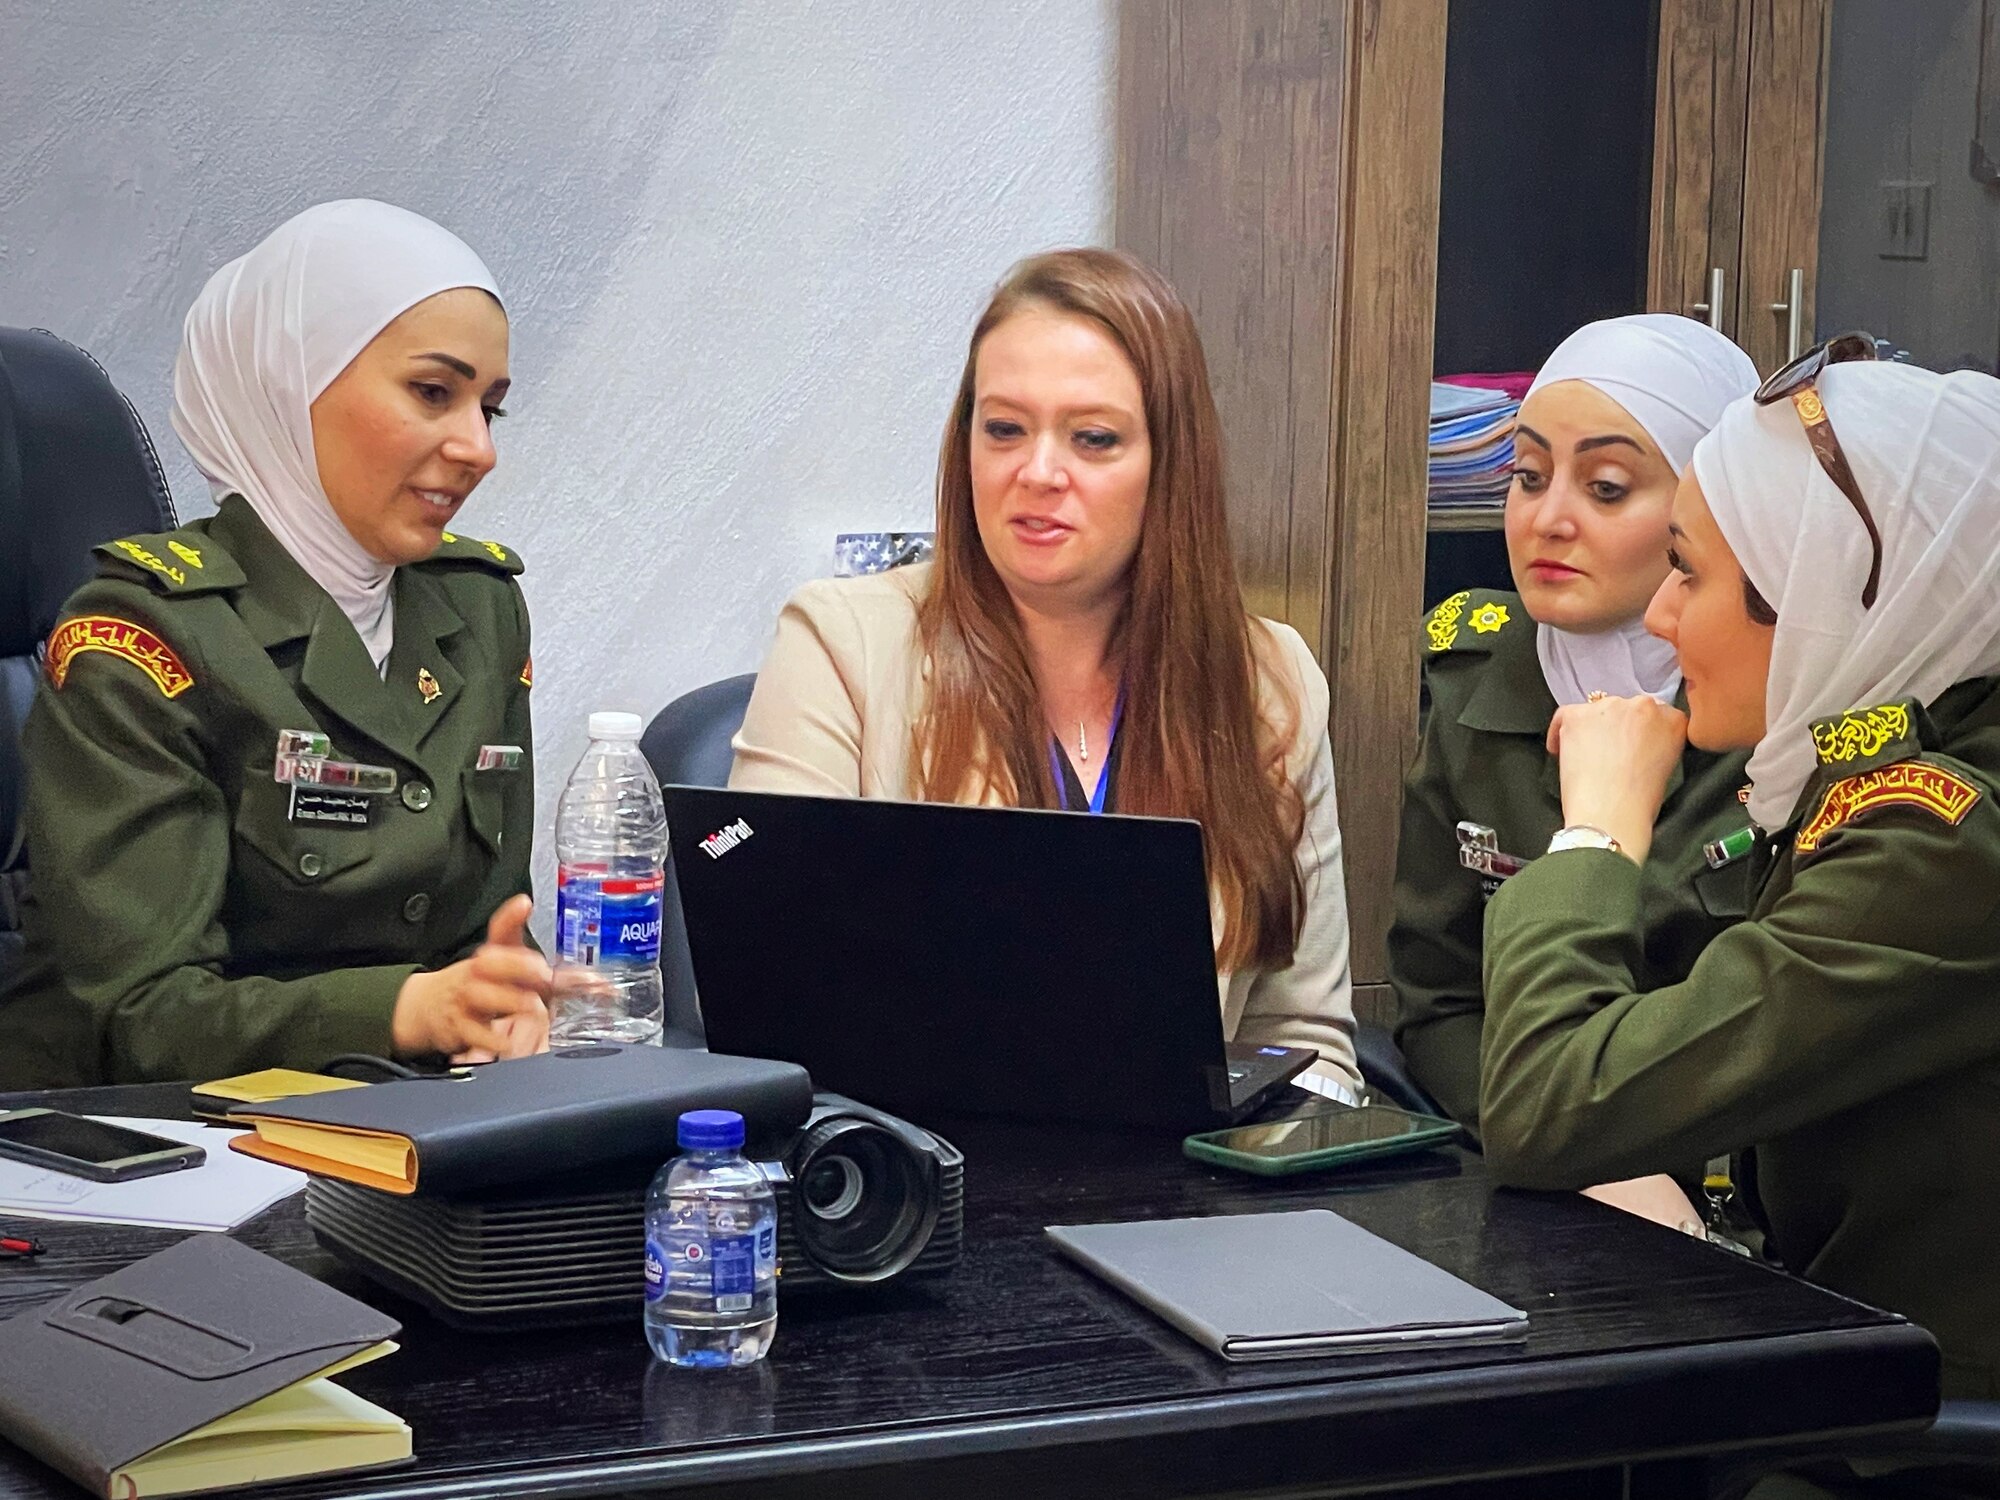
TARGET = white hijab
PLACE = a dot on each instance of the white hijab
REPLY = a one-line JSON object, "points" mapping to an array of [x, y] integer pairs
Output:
{"points": [[1925, 451], [1673, 376], [268, 334]]}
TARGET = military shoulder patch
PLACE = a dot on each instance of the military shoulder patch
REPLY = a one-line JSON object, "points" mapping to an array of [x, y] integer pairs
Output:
{"points": [[456, 548], [1863, 733], [176, 562], [120, 638], [1460, 620], [1910, 783]]}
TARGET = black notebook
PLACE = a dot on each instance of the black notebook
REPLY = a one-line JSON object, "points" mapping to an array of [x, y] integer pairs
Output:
{"points": [[1286, 1285], [205, 1366], [530, 1117]]}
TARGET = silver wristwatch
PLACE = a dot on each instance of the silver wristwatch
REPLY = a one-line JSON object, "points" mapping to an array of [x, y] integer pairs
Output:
{"points": [[1582, 836]]}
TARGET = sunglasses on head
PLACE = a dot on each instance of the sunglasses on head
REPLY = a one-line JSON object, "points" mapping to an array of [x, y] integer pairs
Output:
{"points": [[1797, 380]]}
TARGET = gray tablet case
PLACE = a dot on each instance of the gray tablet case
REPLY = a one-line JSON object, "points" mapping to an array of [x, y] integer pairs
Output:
{"points": [[149, 1353], [1286, 1285]]}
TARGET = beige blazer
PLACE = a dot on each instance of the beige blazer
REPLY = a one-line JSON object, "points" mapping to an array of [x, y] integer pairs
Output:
{"points": [[832, 715]]}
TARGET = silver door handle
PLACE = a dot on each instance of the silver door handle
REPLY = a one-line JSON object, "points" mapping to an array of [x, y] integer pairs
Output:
{"points": [[1794, 308], [1711, 310]]}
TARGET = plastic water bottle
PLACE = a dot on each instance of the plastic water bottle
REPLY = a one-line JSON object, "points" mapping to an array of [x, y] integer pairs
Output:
{"points": [[611, 848], [711, 1249]]}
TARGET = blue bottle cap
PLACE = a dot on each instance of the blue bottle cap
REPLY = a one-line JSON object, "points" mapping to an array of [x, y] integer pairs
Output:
{"points": [[710, 1129]]}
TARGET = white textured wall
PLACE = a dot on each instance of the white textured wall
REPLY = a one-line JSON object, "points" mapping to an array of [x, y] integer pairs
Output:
{"points": [[742, 242]]}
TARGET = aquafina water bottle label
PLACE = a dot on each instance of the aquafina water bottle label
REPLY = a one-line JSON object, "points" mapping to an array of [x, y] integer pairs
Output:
{"points": [[608, 921], [579, 917], [630, 917]]}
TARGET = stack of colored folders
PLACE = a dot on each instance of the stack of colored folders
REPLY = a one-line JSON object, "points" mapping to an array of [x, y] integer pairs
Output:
{"points": [[1472, 446]]}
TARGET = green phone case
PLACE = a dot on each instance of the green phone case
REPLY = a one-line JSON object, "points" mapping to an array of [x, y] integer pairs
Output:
{"points": [[1204, 1148]]}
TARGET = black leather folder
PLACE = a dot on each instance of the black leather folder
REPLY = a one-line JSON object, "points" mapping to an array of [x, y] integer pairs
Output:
{"points": [[531, 1117], [200, 1367]]}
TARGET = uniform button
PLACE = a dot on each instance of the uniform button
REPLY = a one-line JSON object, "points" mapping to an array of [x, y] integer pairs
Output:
{"points": [[416, 796], [310, 865], [417, 908]]}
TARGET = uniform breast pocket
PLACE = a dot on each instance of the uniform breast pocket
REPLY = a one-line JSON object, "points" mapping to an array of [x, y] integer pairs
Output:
{"points": [[1725, 893], [486, 805], [300, 848]]}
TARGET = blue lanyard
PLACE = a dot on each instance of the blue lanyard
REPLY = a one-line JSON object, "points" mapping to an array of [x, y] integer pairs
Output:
{"points": [[1103, 771]]}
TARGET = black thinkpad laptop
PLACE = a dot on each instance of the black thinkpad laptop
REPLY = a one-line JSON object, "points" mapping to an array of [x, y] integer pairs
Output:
{"points": [[929, 959]]}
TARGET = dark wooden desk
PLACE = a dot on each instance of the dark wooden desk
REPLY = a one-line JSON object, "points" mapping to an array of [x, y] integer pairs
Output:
{"points": [[1022, 1376]]}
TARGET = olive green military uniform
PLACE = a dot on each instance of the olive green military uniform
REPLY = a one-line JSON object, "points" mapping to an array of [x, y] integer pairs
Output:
{"points": [[201, 922], [1847, 1035], [1484, 759]]}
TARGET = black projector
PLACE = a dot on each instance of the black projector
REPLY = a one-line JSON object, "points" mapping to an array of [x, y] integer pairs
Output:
{"points": [[863, 1199]]}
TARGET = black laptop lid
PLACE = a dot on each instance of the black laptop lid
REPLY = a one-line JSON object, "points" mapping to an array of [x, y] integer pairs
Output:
{"points": [[927, 958]]}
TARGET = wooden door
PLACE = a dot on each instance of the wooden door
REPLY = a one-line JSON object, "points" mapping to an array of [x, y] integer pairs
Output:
{"points": [[1739, 131], [1701, 103], [1785, 135], [1278, 160]]}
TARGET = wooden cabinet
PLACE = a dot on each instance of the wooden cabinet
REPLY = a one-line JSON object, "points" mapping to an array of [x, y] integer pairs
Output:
{"points": [[1739, 122]]}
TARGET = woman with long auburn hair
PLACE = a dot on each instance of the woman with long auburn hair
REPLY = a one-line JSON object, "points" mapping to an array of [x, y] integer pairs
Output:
{"points": [[1080, 641]]}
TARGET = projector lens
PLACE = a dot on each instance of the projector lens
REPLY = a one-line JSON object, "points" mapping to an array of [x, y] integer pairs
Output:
{"points": [[870, 1199]]}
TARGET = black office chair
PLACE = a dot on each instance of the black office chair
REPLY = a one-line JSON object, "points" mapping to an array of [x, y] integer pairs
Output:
{"points": [[687, 744], [1386, 1073], [76, 468]]}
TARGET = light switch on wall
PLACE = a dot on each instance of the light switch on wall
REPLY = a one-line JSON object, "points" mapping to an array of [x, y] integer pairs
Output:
{"points": [[1905, 220]]}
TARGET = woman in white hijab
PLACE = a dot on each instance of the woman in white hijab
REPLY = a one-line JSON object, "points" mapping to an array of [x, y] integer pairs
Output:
{"points": [[1602, 437], [1835, 610], [280, 795]]}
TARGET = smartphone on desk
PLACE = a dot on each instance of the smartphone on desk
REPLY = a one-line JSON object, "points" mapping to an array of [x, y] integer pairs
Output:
{"points": [[1329, 1136], [89, 1148]]}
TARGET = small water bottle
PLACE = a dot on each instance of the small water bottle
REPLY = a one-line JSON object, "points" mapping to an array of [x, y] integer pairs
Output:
{"points": [[611, 850], [711, 1249]]}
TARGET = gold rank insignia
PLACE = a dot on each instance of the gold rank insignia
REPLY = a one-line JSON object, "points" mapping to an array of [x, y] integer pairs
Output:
{"points": [[120, 638], [185, 553], [1488, 618], [153, 560], [428, 685], [1442, 627], [528, 673], [1860, 734], [1908, 783]]}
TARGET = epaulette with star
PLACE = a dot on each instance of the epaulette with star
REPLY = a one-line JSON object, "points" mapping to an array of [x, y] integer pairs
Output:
{"points": [[1877, 752], [1470, 618]]}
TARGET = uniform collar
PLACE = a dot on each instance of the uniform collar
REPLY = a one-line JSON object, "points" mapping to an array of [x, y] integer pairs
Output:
{"points": [[279, 603], [1513, 697]]}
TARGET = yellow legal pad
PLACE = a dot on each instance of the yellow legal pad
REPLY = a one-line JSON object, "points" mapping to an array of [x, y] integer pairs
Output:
{"points": [[213, 1099], [312, 1427]]}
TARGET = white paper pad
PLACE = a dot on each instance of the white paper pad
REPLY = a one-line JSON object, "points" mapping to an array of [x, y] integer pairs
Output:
{"points": [[227, 1189]]}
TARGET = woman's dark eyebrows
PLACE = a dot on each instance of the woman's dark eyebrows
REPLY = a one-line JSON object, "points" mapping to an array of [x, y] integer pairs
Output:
{"points": [[1585, 444], [452, 362]]}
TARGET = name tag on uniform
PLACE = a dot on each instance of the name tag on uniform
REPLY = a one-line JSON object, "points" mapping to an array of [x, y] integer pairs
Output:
{"points": [[323, 808], [303, 760]]}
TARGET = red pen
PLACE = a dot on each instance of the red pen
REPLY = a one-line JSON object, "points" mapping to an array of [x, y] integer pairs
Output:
{"points": [[19, 1247]]}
